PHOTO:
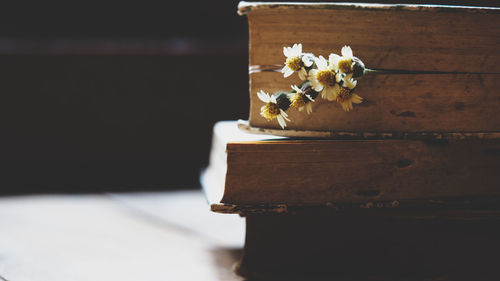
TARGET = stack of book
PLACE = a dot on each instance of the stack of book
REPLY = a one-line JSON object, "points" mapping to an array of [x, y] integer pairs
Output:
{"points": [[405, 183]]}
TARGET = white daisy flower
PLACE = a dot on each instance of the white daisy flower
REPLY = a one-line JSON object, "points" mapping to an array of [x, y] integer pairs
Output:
{"points": [[296, 61], [345, 63], [271, 109], [325, 79], [301, 100], [346, 97]]}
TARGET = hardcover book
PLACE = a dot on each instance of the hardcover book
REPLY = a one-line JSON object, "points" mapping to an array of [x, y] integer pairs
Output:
{"points": [[427, 68], [250, 169]]}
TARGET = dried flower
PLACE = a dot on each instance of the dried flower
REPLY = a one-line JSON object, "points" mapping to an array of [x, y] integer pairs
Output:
{"points": [[332, 78], [345, 62], [275, 107], [301, 99], [325, 79], [296, 61], [346, 96]]}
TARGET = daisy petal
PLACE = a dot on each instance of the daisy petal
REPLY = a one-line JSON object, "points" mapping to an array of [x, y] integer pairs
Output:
{"points": [[263, 96], [288, 72], [283, 113], [330, 93], [281, 121], [345, 106], [297, 49], [356, 99], [296, 89], [287, 51], [302, 74], [308, 59], [349, 83], [346, 51], [316, 85], [320, 62], [273, 99], [333, 59]]}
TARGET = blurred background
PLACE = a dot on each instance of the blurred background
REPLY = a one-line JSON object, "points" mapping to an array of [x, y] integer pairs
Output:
{"points": [[115, 96]]}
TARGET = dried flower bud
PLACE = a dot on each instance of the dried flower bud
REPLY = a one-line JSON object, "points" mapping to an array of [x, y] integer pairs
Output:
{"points": [[282, 100], [310, 92], [358, 67]]}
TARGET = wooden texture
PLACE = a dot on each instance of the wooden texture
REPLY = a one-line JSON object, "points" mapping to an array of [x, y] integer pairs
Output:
{"points": [[134, 236], [461, 43], [319, 172]]}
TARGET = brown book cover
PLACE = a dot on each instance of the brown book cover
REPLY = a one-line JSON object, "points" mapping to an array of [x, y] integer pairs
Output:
{"points": [[249, 169], [447, 59]]}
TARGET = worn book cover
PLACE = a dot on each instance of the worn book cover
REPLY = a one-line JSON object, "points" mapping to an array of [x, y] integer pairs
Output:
{"points": [[426, 68], [251, 169]]}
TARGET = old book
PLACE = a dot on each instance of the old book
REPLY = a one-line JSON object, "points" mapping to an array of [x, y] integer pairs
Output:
{"points": [[370, 245], [263, 170], [447, 57]]}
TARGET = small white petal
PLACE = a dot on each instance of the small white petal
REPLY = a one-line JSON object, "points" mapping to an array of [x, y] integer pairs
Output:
{"points": [[334, 61], [302, 74], [309, 97], [320, 62], [296, 89], [297, 49], [283, 113], [273, 99], [308, 59], [312, 73], [314, 83], [349, 82], [281, 121], [347, 51], [263, 96], [288, 71], [287, 51]]}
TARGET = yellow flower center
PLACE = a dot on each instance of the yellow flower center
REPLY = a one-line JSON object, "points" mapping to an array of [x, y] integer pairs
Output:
{"points": [[294, 63], [345, 65], [326, 77], [298, 100], [270, 111], [343, 95]]}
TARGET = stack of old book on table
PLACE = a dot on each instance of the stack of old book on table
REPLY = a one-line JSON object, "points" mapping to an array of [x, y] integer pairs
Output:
{"points": [[399, 178]]}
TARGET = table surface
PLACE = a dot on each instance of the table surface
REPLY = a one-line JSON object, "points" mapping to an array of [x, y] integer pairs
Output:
{"points": [[128, 236]]}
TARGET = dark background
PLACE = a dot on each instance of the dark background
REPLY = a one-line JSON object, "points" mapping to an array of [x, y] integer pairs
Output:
{"points": [[117, 97]]}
